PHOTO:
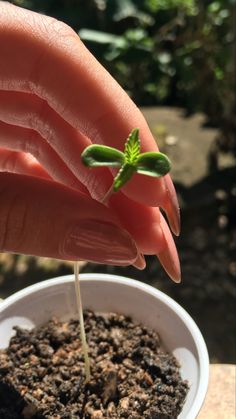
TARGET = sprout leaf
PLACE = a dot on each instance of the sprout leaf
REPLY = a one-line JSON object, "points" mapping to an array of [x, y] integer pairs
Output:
{"points": [[153, 164], [125, 173], [97, 155], [132, 147]]}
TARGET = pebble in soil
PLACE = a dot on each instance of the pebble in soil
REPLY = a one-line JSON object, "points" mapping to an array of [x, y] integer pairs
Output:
{"points": [[41, 372]]}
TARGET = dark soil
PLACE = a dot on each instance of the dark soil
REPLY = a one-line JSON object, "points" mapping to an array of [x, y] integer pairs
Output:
{"points": [[41, 373]]}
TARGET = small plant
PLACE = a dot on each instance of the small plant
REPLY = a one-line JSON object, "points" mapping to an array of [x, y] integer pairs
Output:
{"points": [[129, 162]]}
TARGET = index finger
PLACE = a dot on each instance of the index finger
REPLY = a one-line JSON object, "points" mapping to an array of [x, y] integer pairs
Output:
{"points": [[43, 56]]}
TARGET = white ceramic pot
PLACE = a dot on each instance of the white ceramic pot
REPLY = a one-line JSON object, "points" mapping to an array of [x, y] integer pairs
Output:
{"points": [[56, 297]]}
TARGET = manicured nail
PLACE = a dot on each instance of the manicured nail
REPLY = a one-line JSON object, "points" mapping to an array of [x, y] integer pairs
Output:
{"points": [[171, 206], [168, 257], [140, 262], [99, 241]]}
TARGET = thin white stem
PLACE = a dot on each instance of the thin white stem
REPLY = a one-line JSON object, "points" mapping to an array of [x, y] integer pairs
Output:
{"points": [[79, 304], [81, 321]]}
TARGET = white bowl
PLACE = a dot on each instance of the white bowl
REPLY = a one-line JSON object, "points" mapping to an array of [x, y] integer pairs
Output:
{"points": [[180, 335]]}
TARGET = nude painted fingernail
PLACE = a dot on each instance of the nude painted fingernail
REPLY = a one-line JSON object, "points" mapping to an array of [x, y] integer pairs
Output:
{"points": [[99, 241], [171, 206], [140, 262], [168, 257]]}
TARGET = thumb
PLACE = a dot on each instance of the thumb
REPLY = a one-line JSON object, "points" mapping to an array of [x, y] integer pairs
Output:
{"points": [[44, 218]]}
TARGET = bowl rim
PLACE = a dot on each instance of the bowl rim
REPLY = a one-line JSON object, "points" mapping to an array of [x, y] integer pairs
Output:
{"points": [[201, 348]]}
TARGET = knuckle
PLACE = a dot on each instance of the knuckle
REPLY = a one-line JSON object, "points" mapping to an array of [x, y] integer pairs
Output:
{"points": [[53, 35], [59, 28]]}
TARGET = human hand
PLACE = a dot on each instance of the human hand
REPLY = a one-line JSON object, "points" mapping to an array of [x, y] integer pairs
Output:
{"points": [[55, 100]]}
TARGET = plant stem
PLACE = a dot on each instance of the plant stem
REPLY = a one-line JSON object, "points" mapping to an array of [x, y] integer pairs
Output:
{"points": [[80, 308], [81, 321]]}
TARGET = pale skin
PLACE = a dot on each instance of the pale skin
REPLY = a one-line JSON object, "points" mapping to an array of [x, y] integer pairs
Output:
{"points": [[56, 99]]}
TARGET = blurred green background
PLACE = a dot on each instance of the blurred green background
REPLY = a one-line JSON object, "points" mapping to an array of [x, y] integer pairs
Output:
{"points": [[177, 61], [162, 52]]}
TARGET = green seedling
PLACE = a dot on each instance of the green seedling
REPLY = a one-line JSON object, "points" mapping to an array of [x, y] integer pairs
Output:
{"points": [[129, 162]]}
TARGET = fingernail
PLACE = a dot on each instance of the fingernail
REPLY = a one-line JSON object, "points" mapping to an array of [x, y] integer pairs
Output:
{"points": [[99, 241], [168, 257], [171, 206], [140, 262]]}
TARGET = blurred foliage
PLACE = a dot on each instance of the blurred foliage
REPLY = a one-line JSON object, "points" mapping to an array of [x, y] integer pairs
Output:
{"points": [[168, 52]]}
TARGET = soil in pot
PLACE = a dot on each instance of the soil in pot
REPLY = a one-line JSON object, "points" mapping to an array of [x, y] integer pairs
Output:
{"points": [[41, 372]]}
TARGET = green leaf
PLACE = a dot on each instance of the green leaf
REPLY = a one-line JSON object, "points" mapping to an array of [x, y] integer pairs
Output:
{"points": [[153, 164], [99, 155], [132, 147], [123, 176]]}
